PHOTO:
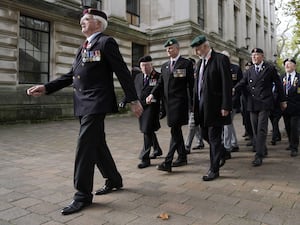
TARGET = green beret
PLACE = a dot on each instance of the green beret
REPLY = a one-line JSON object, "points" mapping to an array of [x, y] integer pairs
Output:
{"points": [[199, 40], [170, 42]]}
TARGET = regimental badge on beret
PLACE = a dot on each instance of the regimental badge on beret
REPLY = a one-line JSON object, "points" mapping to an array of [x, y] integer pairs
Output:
{"points": [[257, 50], [95, 12], [146, 58], [170, 42], [289, 60], [199, 40]]}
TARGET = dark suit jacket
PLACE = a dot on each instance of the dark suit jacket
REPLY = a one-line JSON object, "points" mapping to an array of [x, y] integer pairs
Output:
{"points": [[236, 76], [175, 86], [293, 97], [93, 80], [149, 120], [216, 91], [260, 96]]}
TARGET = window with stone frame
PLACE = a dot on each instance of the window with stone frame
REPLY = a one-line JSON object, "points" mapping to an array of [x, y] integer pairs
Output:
{"points": [[34, 50], [133, 12]]}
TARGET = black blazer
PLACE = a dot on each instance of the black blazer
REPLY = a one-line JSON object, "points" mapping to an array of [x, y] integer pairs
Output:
{"points": [[216, 91], [175, 86], [260, 95], [149, 120], [236, 76], [92, 77], [293, 96]]}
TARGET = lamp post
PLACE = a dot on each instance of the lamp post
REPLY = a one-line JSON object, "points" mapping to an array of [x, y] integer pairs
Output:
{"points": [[96, 4]]}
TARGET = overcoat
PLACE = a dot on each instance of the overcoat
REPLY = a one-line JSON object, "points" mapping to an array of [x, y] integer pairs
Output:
{"points": [[149, 120], [92, 77], [293, 96], [259, 87], [175, 85], [216, 91]]}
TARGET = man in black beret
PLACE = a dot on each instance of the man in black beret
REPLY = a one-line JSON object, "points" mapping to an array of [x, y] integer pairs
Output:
{"points": [[144, 82], [291, 116], [212, 100], [259, 81], [92, 78]]}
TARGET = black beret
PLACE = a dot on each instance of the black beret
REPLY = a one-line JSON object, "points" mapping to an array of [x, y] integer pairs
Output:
{"points": [[146, 58], [257, 50], [95, 12], [199, 40], [170, 42], [289, 60]]}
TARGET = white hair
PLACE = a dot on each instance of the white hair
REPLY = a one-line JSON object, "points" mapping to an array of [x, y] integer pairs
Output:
{"points": [[103, 22]]}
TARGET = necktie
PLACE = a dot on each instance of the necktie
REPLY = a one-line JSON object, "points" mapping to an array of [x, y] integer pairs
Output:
{"points": [[288, 84], [200, 81], [172, 65], [146, 79], [257, 69]]}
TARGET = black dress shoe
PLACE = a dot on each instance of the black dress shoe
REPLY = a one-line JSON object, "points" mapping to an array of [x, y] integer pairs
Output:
{"points": [[249, 143], [288, 149], [179, 162], [109, 187], [74, 207], [211, 176], [257, 161], [164, 167], [154, 155], [273, 142], [143, 164], [235, 149], [200, 146], [294, 153]]}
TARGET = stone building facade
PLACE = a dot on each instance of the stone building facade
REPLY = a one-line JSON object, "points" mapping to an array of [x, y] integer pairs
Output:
{"points": [[39, 38]]}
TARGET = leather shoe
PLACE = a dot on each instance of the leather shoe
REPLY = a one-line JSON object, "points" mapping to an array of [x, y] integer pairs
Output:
{"points": [[109, 187], [164, 167], [211, 176], [294, 153], [288, 149], [200, 146], [179, 162], [74, 207], [154, 155], [143, 164], [257, 161], [235, 149]]}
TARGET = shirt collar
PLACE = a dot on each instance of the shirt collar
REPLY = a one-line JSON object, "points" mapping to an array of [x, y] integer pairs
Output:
{"points": [[90, 38], [175, 59]]}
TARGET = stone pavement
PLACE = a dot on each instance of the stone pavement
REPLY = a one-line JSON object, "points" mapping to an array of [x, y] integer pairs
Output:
{"points": [[36, 175]]}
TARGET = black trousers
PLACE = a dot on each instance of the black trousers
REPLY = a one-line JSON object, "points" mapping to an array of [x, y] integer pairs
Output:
{"points": [[275, 118], [292, 124], [176, 143], [259, 122], [213, 135], [150, 140], [92, 150]]}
